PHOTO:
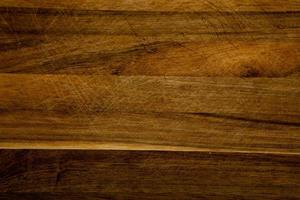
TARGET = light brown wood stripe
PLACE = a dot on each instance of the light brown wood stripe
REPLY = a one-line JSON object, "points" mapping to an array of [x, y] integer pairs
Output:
{"points": [[148, 131], [92, 94], [162, 5], [158, 113], [148, 175]]}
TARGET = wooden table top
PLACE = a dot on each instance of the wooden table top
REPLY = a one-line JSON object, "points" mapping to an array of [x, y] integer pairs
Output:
{"points": [[150, 99]]}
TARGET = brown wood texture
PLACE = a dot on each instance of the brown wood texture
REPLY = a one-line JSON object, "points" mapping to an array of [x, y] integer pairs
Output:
{"points": [[182, 99], [162, 5], [148, 42], [175, 113], [148, 175]]}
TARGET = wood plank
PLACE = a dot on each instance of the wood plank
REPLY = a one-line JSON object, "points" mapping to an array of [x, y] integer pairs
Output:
{"points": [[152, 56], [162, 5], [150, 113], [160, 131], [149, 42], [142, 175], [147, 23], [94, 94]]}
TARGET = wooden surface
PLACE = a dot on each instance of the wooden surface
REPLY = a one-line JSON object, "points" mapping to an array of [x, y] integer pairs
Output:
{"points": [[182, 99], [172, 113], [147, 175]]}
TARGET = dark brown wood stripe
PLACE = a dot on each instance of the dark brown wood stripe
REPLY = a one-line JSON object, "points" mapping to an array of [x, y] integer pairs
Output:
{"points": [[103, 12], [68, 196], [50, 21], [139, 174]]}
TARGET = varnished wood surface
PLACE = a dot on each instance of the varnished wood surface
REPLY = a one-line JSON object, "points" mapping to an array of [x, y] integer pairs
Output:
{"points": [[198, 99], [224, 38], [148, 175], [168, 113], [162, 5]]}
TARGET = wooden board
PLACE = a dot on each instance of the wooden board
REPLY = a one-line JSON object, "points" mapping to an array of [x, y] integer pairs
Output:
{"points": [[148, 175], [182, 99], [136, 42], [171, 113]]}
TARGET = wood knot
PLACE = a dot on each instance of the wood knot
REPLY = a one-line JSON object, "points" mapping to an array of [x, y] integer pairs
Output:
{"points": [[250, 72], [117, 70]]}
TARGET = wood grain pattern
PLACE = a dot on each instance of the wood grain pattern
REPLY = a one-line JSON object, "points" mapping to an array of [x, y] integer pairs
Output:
{"points": [[157, 131], [144, 175], [160, 56], [94, 94], [162, 5], [146, 23], [92, 61], [137, 42], [204, 93], [150, 113]]}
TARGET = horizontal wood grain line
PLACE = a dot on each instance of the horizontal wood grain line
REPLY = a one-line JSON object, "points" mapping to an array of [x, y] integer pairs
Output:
{"points": [[85, 12], [27, 20], [139, 174], [259, 121], [160, 55], [150, 131], [162, 5], [65, 196]]}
